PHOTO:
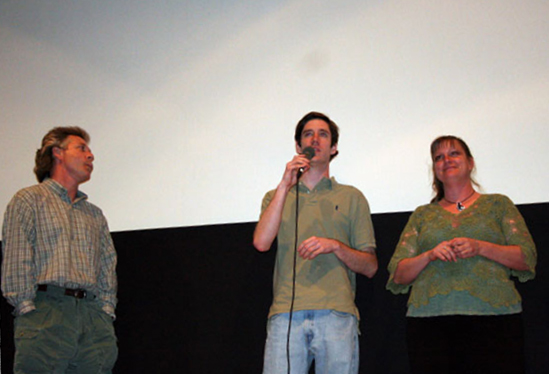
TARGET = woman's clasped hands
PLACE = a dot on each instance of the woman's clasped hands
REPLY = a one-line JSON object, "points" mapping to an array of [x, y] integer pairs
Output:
{"points": [[457, 248]]}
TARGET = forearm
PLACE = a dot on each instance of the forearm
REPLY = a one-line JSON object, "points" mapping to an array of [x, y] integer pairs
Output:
{"points": [[408, 269], [107, 291], [269, 223], [510, 256], [18, 277], [362, 262]]}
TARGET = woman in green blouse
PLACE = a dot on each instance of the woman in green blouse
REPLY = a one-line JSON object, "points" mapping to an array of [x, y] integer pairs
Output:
{"points": [[457, 255]]}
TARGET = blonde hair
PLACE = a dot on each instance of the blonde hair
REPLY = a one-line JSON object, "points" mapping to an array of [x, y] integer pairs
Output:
{"points": [[438, 186]]}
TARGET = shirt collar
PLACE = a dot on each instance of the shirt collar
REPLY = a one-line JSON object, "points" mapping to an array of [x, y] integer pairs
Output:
{"points": [[61, 191], [325, 184]]}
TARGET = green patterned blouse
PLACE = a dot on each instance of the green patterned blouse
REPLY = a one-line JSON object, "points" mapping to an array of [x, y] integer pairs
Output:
{"points": [[472, 286]]}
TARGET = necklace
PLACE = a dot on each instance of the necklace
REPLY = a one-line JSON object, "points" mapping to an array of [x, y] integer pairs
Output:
{"points": [[459, 204]]}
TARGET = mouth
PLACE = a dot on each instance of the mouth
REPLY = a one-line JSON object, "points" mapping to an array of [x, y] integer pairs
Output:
{"points": [[450, 167]]}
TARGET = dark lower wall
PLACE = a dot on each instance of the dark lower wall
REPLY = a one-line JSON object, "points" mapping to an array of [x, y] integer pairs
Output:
{"points": [[195, 300]]}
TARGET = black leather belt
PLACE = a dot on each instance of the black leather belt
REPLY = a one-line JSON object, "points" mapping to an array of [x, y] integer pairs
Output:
{"points": [[77, 293]]}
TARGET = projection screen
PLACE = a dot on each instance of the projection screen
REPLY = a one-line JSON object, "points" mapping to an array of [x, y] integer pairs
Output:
{"points": [[191, 105]]}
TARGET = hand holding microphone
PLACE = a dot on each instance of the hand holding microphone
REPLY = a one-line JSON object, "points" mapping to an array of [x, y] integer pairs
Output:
{"points": [[309, 153], [291, 175]]}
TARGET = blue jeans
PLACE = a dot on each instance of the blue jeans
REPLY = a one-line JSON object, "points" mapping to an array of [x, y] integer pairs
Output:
{"points": [[328, 337]]}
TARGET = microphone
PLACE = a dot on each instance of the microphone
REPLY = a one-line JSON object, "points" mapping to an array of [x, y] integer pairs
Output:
{"points": [[309, 152]]}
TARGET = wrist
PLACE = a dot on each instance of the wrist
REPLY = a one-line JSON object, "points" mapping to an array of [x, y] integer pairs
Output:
{"points": [[24, 307], [480, 249], [283, 187], [337, 246]]}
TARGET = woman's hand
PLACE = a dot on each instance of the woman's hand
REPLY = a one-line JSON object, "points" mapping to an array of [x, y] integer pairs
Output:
{"points": [[455, 249], [465, 247], [443, 251]]}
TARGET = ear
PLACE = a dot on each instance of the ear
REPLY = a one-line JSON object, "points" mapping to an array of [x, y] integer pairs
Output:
{"points": [[56, 152], [333, 150], [471, 164]]}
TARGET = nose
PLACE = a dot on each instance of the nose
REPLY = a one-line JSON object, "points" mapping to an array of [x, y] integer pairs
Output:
{"points": [[90, 156]]}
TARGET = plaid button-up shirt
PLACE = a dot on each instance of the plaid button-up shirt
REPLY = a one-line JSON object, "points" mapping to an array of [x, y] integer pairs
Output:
{"points": [[47, 239]]}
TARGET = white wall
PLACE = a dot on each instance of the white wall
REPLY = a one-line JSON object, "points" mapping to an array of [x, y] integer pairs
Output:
{"points": [[192, 104]]}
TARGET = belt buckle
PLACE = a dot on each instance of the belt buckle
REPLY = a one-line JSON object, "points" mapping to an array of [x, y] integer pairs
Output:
{"points": [[77, 293]]}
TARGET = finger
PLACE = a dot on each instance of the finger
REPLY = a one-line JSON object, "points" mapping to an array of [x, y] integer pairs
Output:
{"points": [[456, 243], [457, 250], [444, 256], [307, 253], [303, 255], [441, 254], [302, 248], [307, 246], [302, 161], [450, 255]]}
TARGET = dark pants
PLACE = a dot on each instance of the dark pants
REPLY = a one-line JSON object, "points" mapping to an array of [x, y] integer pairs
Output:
{"points": [[466, 344], [64, 335]]}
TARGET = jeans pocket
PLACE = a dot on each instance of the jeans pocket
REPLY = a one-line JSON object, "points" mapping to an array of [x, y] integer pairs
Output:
{"points": [[34, 319], [272, 320], [341, 314], [26, 333]]}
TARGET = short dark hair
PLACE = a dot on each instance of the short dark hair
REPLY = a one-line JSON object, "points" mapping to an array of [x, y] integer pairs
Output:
{"points": [[43, 162], [438, 186], [334, 129]]}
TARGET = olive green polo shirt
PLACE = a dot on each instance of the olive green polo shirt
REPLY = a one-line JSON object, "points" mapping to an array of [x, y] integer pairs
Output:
{"points": [[331, 210]]}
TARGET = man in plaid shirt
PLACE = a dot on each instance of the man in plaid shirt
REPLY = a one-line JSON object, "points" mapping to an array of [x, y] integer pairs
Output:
{"points": [[58, 268]]}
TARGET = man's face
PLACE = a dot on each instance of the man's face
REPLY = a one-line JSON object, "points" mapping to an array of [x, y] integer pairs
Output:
{"points": [[76, 159], [316, 133]]}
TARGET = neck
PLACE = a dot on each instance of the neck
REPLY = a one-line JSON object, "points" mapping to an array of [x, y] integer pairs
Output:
{"points": [[315, 175], [459, 192], [70, 185]]}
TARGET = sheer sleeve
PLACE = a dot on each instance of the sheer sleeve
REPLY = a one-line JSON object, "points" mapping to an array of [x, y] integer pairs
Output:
{"points": [[407, 247], [516, 233]]}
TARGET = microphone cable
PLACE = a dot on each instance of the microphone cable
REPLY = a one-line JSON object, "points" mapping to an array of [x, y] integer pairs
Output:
{"points": [[309, 153], [293, 274]]}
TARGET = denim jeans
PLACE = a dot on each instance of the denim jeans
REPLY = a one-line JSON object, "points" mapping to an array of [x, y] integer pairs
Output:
{"points": [[328, 337]]}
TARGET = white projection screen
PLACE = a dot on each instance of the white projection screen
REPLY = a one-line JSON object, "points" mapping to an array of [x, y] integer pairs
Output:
{"points": [[191, 105]]}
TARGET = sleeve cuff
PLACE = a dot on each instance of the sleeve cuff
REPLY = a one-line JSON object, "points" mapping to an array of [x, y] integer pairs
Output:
{"points": [[109, 310], [24, 307]]}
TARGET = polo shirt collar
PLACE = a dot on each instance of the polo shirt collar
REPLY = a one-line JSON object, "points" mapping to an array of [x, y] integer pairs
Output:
{"points": [[325, 184]]}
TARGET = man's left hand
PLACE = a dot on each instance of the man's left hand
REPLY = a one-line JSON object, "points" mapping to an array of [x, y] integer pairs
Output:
{"points": [[314, 246]]}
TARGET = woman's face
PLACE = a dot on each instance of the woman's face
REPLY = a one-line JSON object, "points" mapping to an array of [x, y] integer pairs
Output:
{"points": [[450, 162]]}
